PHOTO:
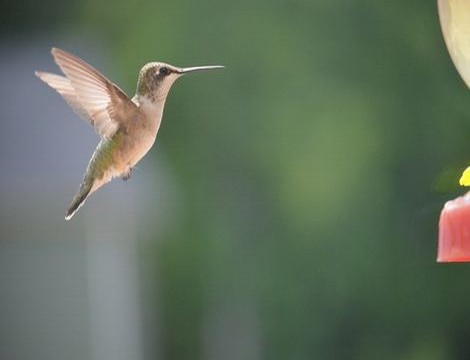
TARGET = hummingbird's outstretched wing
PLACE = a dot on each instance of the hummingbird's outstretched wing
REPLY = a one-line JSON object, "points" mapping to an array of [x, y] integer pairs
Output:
{"points": [[64, 87], [90, 94]]}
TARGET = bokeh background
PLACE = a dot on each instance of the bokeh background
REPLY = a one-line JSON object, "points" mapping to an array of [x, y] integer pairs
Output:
{"points": [[289, 209]]}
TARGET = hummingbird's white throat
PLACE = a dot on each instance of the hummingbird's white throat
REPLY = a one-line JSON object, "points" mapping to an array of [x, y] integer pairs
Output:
{"points": [[152, 107]]}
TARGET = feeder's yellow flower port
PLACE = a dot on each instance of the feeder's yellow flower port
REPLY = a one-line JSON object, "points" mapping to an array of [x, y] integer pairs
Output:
{"points": [[465, 178]]}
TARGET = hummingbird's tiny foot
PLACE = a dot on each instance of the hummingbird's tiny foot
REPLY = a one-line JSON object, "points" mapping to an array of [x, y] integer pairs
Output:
{"points": [[127, 175]]}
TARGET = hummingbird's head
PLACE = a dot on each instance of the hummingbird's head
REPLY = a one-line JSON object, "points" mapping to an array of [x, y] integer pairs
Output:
{"points": [[156, 78]]}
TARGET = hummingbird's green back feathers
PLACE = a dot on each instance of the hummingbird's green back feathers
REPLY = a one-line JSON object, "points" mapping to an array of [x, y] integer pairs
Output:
{"points": [[100, 171]]}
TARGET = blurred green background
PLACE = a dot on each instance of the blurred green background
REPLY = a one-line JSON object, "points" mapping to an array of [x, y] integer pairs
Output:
{"points": [[309, 174]]}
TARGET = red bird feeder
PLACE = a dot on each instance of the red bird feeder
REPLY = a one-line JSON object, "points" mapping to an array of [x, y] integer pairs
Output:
{"points": [[454, 231], [454, 225]]}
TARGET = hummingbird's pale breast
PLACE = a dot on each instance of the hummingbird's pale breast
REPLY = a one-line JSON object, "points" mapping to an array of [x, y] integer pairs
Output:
{"points": [[117, 156], [146, 131]]}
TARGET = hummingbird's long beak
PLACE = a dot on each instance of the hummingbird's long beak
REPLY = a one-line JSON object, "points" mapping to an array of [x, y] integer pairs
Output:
{"points": [[200, 68]]}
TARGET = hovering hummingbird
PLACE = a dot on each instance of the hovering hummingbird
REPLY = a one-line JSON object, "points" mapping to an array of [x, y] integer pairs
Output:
{"points": [[127, 127]]}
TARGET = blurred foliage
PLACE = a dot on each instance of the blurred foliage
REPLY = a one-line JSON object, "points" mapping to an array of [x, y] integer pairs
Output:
{"points": [[29, 16], [307, 171], [312, 171]]}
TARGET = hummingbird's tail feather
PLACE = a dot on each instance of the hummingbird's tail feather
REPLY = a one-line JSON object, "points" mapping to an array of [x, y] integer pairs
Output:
{"points": [[79, 199]]}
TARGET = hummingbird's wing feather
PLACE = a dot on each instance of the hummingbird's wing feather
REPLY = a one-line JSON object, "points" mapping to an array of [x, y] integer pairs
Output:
{"points": [[108, 107], [64, 87]]}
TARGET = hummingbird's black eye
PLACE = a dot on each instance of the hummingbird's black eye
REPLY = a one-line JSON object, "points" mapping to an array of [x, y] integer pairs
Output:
{"points": [[164, 71]]}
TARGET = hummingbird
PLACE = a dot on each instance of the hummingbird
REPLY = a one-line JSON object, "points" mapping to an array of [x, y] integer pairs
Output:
{"points": [[127, 126]]}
